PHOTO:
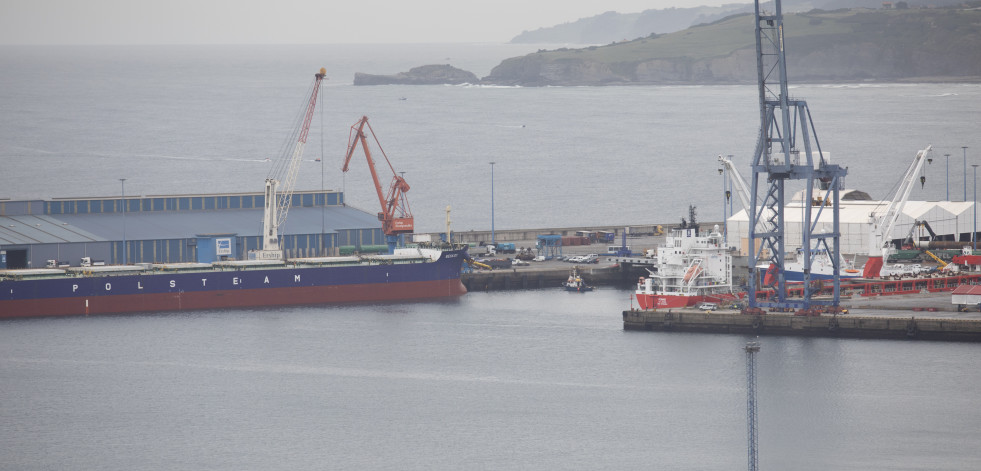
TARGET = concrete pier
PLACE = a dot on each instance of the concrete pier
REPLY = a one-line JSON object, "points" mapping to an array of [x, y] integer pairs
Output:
{"points": [[923, 327]]}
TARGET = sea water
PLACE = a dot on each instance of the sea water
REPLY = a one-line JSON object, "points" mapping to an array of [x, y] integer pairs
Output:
{"points": [[540, 379], [187, 120]]}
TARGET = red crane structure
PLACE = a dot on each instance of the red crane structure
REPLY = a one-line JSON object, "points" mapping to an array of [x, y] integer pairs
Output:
{"points": [[395, 215]]}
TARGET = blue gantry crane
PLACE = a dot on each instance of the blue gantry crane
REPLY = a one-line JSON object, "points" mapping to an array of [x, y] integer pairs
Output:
{"points": [[787, 150]]}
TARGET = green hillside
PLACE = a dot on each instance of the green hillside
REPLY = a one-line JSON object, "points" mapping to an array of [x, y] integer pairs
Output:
{"points": [[857, 44]]}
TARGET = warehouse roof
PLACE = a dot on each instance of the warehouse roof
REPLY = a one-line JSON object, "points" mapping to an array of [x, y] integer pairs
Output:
{"points": [[17, 230], [27, 227]]}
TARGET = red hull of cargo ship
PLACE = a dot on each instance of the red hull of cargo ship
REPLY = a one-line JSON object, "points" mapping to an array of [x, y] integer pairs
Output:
{"points": [[225, 299]]}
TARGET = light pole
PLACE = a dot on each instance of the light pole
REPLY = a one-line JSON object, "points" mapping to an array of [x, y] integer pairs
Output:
{"points": [[122, 200], [725, 197], [492, 203], [974, 234], [323, 194], [729, 188], [947, 166], [965, 172]]}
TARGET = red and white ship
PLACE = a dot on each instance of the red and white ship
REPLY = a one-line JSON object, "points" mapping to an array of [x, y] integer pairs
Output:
{"points": [[691, 268]]}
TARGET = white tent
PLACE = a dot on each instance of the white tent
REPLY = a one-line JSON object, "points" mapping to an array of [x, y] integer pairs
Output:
{"points": [[945, 218]]}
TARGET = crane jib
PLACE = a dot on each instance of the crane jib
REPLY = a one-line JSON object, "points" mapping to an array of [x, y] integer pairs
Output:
{"points": [[275, 213]]}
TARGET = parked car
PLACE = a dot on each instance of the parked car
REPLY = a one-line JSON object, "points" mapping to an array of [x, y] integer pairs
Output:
{"points": [[708, 306]]}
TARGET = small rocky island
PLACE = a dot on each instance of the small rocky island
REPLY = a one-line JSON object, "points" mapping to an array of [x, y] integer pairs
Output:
{"points": [[422, 75]]}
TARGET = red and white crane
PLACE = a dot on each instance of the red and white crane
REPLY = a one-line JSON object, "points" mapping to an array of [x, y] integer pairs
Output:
{"points": [[284, 172], [395, 215], [880, 226]]}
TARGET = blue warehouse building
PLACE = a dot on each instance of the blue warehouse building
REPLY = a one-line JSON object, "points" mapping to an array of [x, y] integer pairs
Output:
{"points": [[173, 229]]}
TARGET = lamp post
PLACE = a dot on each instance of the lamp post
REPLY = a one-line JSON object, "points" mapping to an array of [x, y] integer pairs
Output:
{"points": [[725, 197], [947, 166], [965, 172], [974, 233], [323, 194], [122, 200], [492, 203]]}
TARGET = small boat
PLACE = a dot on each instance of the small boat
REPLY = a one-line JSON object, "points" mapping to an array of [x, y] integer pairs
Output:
{"points": [[576, 283]]}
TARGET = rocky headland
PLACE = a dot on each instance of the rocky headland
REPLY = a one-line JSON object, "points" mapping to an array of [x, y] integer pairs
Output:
{"points": [[847, 45], [423, 75]]}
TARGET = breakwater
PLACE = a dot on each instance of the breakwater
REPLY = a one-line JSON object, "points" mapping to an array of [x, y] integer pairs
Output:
{"points": [[844, 326]]}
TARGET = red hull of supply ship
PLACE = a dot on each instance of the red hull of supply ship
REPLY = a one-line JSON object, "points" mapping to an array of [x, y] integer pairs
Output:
{"points": [[221, 285]]}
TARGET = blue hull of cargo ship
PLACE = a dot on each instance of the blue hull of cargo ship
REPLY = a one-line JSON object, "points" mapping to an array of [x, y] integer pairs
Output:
{"points": [[232, 287]]}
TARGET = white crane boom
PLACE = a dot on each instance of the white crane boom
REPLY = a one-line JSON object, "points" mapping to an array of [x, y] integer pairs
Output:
{"points": [[742, 189], [881, 226], [277, 205]]}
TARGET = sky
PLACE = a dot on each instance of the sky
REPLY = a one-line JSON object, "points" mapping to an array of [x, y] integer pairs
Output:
{"points": [[139, 22]]}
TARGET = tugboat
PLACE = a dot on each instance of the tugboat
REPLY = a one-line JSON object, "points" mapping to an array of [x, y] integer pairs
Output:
{"points": [[576, 283], [691, 268]]}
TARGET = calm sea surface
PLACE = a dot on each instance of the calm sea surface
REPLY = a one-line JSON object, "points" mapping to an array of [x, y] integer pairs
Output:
{"points": [[520, 380]]}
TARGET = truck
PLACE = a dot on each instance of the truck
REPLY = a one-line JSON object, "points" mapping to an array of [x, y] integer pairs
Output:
{"points": [[506, 247], [88, 262]]}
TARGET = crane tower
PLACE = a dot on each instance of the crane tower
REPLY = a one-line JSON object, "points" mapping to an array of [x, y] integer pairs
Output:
{"points": [[395, 215], [787, 150]]}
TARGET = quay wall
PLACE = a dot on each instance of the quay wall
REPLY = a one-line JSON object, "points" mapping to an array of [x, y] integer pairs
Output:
{"points": [[843, 326], [520, 235], [538, 278]]}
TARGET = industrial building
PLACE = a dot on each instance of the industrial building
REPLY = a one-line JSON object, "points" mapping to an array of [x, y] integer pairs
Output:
{"points": [[175, 228], [950, 221]]}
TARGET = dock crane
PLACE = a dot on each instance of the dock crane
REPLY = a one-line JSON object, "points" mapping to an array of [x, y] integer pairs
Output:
{"points": [[395, 215], [285, 170], [787, 149], [880, 226], [742, 188]]}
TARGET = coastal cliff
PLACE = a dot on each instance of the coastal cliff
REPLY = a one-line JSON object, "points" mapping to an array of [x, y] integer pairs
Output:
{"points": [[845, 45]]}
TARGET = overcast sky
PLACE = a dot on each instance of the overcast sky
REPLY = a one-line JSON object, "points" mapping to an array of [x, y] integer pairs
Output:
{"points": [[295, 21]]}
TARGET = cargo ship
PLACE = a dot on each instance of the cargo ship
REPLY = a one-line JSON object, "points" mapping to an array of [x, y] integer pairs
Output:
{"points": [[410, 273], [691, 268], [265, 277]]}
